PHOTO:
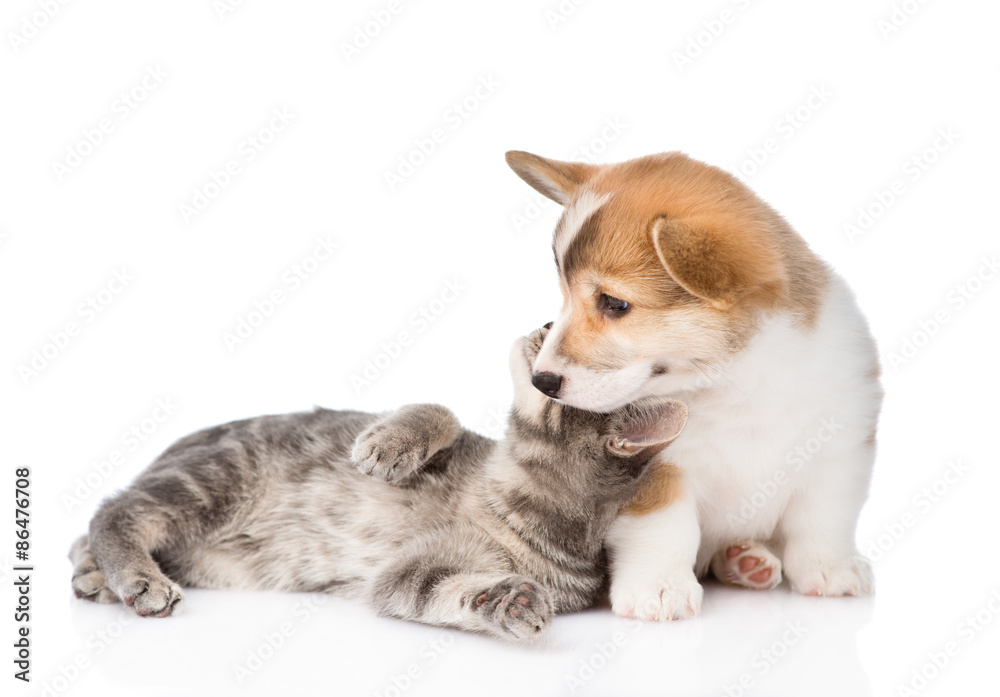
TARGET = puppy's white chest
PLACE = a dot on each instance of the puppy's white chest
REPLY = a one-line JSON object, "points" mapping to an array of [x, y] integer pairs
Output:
{"points": [[738, 449]]}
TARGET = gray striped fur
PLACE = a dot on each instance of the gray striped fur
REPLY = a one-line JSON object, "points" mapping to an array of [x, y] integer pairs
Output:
{"points": [[406, 512]]}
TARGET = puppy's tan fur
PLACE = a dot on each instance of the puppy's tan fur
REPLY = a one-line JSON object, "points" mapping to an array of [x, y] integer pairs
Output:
{"points": [[662, 488], [678, 280], [691, 267]]}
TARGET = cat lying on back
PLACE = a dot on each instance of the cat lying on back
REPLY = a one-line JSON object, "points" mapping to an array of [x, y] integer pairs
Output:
{"points": [[407, 512]]}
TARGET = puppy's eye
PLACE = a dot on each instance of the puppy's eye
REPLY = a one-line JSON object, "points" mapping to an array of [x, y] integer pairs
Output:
{"points": [[613, 306]]}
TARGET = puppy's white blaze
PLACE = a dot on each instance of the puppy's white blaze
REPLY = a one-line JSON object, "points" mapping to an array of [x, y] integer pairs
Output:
{"points": [[547, 361], [573, 218]]}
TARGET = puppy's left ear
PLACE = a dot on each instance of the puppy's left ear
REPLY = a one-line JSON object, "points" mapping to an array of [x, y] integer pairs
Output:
{"points": [[649, 425], [721, 262], [551, 178]]}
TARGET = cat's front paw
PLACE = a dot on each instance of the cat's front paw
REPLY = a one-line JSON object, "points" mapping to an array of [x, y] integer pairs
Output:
{"points": [[389, 452], [674, 596], [516, 607]]}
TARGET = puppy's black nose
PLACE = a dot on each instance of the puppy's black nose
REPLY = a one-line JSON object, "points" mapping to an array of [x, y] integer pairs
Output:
{"points": [[548, 326], [547, 383]]}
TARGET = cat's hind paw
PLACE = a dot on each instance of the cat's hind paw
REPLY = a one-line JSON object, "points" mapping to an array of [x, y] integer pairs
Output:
{"points": [[516, 607], [152, 597], [88, 581]]}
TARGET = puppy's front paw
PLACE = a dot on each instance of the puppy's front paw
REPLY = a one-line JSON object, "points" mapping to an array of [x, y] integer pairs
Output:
{"points": [[390, 452], [674, 596], [517, 608], [845, 576]]}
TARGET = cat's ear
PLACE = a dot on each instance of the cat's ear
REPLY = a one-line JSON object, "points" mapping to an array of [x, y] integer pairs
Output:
{"points": [[646, 425]]}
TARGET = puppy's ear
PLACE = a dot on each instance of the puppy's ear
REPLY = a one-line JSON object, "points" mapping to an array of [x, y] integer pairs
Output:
{"points": [[551, 178], [647, 425], [720, 265]]}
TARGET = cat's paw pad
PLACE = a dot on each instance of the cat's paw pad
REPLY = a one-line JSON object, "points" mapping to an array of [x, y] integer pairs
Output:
{"points": [[517, 608], [750, 565], [152, 597], [89, 584], [675, 596], [389, 453], [836, 577]]}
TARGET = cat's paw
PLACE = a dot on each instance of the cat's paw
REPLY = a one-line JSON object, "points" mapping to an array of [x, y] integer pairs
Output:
{"points": [[389, 452], [88, 580], [750, 564], [674, 596], [151, 596], [89, 584], [516, 607], [850, 575]]}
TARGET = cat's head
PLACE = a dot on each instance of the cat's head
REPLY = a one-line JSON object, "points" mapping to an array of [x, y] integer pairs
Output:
{"points": [[619, 442]]}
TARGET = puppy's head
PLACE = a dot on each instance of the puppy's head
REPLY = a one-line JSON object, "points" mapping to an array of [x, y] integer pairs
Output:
{"points": [[666, 266], [545, 430]]}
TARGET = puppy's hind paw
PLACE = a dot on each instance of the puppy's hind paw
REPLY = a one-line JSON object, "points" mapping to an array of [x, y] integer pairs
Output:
{"points": [[751, 565], [831, 577]]}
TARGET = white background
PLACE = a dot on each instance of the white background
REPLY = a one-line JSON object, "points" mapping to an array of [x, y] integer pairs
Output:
{"points": [[889, 90]]}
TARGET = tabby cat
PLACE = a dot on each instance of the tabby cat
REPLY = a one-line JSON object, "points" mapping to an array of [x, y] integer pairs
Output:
{"points": [[406, 512]]}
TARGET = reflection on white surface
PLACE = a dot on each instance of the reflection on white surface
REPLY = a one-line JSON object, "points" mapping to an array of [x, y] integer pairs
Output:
{"points": [[746, 642]]}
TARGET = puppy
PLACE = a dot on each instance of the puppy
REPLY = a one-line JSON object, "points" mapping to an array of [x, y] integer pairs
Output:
{"points": [[678, 280]]}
